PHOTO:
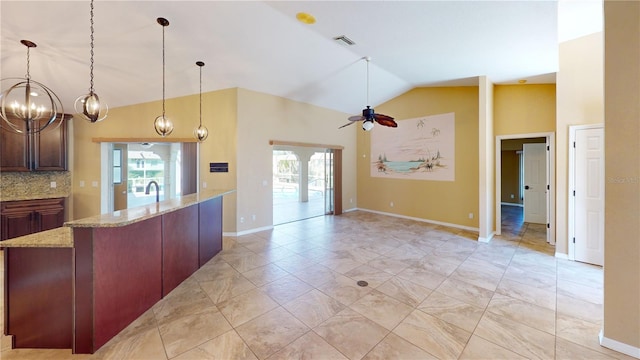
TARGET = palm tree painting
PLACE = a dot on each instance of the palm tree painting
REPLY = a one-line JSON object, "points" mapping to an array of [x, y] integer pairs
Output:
{"points": [[418, 149]]}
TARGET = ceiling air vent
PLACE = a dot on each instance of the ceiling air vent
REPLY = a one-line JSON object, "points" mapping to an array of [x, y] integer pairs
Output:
{"points": [[344, 40]]}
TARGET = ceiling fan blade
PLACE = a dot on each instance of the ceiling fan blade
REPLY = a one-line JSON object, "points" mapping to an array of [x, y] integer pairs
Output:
{"points": [[385, 120], [356, 118], [347, 124]]}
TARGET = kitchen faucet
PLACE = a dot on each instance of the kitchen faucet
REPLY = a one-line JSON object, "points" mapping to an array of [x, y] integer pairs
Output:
{"points": [[157, 189]]}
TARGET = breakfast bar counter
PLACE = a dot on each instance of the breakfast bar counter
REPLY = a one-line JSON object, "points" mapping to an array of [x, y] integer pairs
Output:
{"points": [[80, 285]]}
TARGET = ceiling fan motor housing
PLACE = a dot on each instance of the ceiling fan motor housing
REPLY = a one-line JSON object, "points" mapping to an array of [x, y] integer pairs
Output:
{"points": [[367, 114]]}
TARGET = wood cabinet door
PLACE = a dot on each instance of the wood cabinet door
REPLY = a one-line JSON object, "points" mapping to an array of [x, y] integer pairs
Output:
{"points": [[50, 217], [50, 148], [26, 217], [14, 154], [15, 224]]}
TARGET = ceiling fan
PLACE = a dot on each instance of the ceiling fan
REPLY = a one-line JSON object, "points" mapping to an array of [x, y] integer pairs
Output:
{"points": [[368, 114]]}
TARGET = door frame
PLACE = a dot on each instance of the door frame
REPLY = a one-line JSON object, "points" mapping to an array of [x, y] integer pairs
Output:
{"points": [[571, 224], [551, 175]]}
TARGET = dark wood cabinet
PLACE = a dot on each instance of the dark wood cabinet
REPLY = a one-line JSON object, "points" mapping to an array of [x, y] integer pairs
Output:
{"points": [[26, 217], [40, 151]]}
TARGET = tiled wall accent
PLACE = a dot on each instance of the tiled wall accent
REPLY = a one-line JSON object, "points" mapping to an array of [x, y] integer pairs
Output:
{"points": [[34, 185]]}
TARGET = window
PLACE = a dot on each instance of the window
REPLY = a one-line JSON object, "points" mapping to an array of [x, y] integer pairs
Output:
{"points": [[117, 166]]}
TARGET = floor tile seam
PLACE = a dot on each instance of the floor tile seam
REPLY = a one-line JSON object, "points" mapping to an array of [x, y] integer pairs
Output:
{"points": [[581, 284], [502, 347], [328, 343], [243, 341], [555, 315], [190, 349], [417, 345], [600, 349]]}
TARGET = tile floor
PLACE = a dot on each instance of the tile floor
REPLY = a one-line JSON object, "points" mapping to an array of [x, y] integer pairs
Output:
{"points": [[433, 292]]}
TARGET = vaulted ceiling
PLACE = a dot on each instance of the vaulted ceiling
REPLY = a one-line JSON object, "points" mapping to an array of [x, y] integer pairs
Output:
{"points": [[259, 45]]}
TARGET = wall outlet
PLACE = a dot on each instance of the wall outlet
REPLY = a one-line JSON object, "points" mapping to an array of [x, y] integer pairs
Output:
{"points": [[204, 184], [391, 204], [241, 219], [253, 217], [53, 185], [351, 200], [470, 215], [81, 183], [512, 196]]}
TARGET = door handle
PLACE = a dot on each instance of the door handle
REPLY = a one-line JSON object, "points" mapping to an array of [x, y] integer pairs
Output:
{"points": [[526, 187], [124, 191]]}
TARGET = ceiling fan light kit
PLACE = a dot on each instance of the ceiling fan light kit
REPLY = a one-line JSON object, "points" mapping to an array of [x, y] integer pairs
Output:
{"points": [[369, 116]]}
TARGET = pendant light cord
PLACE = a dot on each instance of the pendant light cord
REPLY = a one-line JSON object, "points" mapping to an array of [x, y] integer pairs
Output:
{"points": [[200, 95], [28, 76], [163, 64], [91, 66]]}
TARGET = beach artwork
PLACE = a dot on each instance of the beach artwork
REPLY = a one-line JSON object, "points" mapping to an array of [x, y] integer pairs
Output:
{"points": [[418, 149]]}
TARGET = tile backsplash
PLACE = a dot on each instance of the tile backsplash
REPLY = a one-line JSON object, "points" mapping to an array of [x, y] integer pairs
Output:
{"points": [[34, 185]]}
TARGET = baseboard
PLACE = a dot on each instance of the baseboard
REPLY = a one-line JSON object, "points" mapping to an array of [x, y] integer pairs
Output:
{"points": [[618, 346], [350, 210], [511, 204], [435, 222], [246, 232], [486, 239], [562, 256]]}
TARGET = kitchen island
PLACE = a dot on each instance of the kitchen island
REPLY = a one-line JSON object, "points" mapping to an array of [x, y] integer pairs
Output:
{"points": [[80, 285]]}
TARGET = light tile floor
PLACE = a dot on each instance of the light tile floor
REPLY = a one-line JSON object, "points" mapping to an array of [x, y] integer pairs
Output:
{"points": [[434, 292]]}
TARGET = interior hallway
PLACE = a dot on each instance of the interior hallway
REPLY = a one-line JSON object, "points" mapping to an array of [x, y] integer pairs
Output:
{"points": [[433, 292]]}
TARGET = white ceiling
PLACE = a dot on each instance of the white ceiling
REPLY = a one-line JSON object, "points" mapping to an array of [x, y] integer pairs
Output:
{"points": [[259, 45]]}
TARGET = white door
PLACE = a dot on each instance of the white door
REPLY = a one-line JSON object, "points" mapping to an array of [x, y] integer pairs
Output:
{"points": [[535, 183], [589, 196]]}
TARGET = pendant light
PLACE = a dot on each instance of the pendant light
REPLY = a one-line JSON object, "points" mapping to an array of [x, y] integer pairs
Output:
{"points": [[89, 106], [28, 106], [163, 124], [201, 133]]}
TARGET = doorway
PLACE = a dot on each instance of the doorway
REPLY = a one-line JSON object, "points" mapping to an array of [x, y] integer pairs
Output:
{"points": [[511, 175], [303, 183]]}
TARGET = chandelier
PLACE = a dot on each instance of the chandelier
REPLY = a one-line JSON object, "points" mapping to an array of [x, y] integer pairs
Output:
{"points": [[201, 132], [89, 106], [162, 123], [29, 106]]}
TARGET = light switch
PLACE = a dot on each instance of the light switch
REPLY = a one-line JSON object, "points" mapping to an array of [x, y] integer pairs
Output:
{"points": [[94, 183], [81, 183]]}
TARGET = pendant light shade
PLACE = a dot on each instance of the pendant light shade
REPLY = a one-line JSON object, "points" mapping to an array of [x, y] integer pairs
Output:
{"points": [[201, 132], [89, 106], [162, 123], [29, 106]]}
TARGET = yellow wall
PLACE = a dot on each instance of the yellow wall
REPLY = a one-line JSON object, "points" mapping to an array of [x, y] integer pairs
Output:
{"points": [[136, 121], [622, 172], [442, 201], [524, 109], [580, 100], [263, 117]]}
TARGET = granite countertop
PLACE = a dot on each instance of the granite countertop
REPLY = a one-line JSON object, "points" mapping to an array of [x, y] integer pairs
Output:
{"points": [[144, 212], [61, 237]]}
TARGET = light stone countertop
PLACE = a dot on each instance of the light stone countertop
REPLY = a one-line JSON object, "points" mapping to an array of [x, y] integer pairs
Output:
{"points": [[63, 236], [144, 212]]}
